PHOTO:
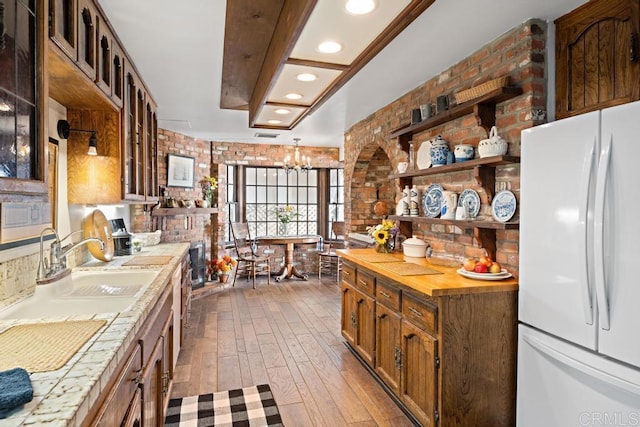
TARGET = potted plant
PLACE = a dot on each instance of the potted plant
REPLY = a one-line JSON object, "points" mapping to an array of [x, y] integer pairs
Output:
{"points": [[223, 267]]}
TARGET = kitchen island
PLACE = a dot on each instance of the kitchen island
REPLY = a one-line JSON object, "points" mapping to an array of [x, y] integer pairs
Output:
{"points": [[443, 345], [104, 379]]}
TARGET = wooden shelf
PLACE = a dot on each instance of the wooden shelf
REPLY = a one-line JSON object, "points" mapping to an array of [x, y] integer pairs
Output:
{"points": [[484, 108], [487, 161], [183, 211], [477, 223]]}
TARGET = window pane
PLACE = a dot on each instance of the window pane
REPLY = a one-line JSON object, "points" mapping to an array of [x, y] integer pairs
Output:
{"points": [[292, 195], [313, 178], [25, 54], [292, 179], [282, 195], [272, 195], [251, 176], [261, 193], [313, 195], [261, 176], [25, 138], [7, 136], [251, 194], [302, 195], [272, 178], [302, 179], [7, 42]]}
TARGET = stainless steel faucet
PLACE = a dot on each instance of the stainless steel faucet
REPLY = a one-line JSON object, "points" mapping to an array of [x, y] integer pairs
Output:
{"points": [[56, 267]]}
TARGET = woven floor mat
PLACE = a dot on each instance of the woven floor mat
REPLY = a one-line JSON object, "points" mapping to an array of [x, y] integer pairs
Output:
{"points": [[42, 347], [250, 406], [378, 258], [408, 268]]}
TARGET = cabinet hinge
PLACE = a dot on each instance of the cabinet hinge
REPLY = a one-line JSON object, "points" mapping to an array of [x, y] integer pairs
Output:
{"points": [[138, 378], [436, 415], [437, 362], [165, 383]]}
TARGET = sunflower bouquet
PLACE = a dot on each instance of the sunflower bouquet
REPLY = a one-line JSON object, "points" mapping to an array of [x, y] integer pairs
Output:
{"points": [[384, 235]]}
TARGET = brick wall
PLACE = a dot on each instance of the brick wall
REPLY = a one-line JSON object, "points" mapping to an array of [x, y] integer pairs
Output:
{"points": [[519, 53], [210, 159]]}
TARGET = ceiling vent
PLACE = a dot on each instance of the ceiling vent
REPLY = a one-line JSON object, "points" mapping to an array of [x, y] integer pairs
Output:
{"points": [[265, 135]]}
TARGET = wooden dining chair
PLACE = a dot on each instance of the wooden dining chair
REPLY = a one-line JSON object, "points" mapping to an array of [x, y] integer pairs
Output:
{"points": [[249, 260], [328, 260]]}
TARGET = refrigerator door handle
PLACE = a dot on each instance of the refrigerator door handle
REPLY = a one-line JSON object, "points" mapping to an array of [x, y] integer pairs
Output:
{"points": [[587, 301], [598, 234], [581, 366]]}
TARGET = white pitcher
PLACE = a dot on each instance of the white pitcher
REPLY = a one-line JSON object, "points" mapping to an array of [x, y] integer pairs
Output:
{"points": [[449, 204]]}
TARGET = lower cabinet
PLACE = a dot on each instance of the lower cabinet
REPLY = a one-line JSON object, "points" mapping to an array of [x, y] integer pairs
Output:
{"points": [[358, 324], [388, 361], [419, 373], [139, 392], [449, 359]]}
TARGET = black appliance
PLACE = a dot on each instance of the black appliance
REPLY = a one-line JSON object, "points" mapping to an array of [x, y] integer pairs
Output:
{"points": [[198, 264], [122, 239]]}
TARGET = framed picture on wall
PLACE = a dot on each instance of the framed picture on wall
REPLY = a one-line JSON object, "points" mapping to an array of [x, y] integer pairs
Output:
{"points": [[180, 171]]}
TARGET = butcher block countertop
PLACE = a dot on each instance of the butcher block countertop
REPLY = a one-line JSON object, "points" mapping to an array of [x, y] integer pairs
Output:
{"points": [[447, 283]]}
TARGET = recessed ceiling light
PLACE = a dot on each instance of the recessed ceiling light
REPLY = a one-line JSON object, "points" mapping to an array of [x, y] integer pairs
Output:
{"points": [[360, 7], [293, 96], [274, 122], [306, 77], [282, 111], [329, 47]]}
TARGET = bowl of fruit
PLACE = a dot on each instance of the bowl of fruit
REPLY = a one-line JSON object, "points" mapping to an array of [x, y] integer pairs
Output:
{"points": [[483, 268]]}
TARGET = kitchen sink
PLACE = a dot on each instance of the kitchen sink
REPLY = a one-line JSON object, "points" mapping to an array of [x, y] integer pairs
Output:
{"points": [[84, 292]]}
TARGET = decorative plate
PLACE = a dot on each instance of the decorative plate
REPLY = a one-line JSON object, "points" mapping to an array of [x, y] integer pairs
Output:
{"points": [[423, 156], [432, 200], [503, 206], [504, 274], [471, 201]]}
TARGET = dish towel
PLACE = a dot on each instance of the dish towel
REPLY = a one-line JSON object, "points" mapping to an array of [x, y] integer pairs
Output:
{"points": [[15, 390]]}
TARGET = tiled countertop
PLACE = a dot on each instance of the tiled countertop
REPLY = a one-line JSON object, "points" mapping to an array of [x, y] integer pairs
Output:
{"points": [[63, 397]]}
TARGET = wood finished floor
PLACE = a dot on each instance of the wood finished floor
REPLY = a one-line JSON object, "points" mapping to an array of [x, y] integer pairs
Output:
{"points": [[287, 335]]}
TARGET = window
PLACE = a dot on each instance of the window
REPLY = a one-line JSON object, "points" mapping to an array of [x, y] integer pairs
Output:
{"points": [[231, 202], [335, 205], [268, 188]]}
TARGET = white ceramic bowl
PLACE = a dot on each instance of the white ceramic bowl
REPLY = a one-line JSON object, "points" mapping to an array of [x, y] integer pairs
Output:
{"points": [[414, 247]]}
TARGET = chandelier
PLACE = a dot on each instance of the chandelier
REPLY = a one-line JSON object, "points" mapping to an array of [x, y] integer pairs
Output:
{"points": [[299, 163]]}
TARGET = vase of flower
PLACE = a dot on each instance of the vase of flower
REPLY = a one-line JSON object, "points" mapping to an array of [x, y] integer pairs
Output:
{"points": [[384, 236], [208, 184], [283, 229], [224, 278]]}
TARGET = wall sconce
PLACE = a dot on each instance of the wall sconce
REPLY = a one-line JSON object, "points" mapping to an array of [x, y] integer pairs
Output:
{"points": [[63, 132]]}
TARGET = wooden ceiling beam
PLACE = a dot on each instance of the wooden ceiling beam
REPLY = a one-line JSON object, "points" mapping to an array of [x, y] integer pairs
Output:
{"points": [[292, 19]]}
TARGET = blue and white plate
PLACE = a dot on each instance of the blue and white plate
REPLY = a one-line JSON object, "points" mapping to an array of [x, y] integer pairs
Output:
{"points": [[503, 206], [432, 200], [470, 199]]}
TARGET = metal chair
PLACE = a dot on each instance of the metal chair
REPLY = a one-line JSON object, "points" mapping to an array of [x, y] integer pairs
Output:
{"points": [[247, 252], [329, 260]]}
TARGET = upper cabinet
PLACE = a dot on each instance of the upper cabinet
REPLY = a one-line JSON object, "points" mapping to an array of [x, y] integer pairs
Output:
{"points": [[22, 146], [90, 74], [597, 57]]}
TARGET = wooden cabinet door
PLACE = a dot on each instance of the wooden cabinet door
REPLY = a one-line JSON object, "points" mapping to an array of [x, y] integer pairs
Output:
{"points": [[387, 360], [87, 37], [167, 356], [365, 334], [63, 22], [134, 415], [151, 385], [419, 378], [597, 58], [348, 317]]}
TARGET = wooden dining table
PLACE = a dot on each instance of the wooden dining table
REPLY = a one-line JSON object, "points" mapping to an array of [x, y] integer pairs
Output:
{"points": [[288, 269]]}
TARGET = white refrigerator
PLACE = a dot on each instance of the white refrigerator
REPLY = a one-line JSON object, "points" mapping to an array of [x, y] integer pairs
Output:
{"points": [[579, 299]]}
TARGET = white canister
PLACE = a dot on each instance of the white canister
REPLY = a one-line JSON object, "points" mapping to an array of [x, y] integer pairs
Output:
{"points": [[449, 205]]}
